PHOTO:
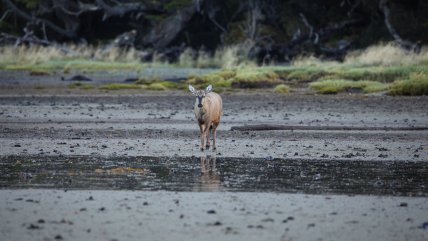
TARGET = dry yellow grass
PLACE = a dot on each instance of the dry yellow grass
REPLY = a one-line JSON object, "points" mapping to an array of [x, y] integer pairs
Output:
{"points": [[38, 54], [226, 58], [386, 55]]}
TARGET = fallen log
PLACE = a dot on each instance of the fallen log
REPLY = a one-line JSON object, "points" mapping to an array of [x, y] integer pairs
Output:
{"points": [[272, 127]]}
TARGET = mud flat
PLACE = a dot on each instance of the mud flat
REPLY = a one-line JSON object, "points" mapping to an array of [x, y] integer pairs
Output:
{"points": [[162, 124], [126, 165]]}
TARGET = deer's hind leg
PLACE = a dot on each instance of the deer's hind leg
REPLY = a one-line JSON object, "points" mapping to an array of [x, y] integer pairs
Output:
{"points": [[214, 127]]}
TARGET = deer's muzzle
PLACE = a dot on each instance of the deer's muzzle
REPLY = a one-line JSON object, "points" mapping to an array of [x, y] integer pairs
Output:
{"points": [[200, 102]]}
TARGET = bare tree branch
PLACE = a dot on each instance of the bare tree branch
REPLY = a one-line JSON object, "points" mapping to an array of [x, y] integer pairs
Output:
{"points": [[306, 22], [383, 5], [49, 24], [123, 8], [4, 15]]}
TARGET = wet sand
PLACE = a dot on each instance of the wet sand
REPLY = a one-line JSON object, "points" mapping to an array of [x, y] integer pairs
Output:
{"points": [[261, 188], [135, 215], [162, 124]]}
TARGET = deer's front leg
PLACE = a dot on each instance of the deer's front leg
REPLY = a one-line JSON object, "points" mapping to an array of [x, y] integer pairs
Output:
{"points": [[208, 136], [202, 130]]}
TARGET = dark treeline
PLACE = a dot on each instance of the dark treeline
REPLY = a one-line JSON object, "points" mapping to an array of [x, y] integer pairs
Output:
{"points": [[269, 29]]}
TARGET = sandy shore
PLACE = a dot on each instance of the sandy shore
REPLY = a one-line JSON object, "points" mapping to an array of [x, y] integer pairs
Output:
{"points": [[135, 215]]}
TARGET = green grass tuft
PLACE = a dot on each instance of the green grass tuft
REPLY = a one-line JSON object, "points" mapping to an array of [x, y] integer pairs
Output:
{"points": [[416, 84], [120, 86], [255, 78], [306, 74], [219, 79], [237, 78], [335, 86], [67, 66], [148, 80], [162, 85], [282, 89]]}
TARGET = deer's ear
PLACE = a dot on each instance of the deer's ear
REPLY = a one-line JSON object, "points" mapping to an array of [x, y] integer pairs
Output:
{"points": [[209, 89], [192, 89]]}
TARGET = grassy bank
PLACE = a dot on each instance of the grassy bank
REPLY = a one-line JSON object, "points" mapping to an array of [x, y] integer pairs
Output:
{"points": [[383, 68]]}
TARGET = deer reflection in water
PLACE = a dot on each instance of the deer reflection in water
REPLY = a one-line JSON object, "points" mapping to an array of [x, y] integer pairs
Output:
{"points": [[209, 179]]}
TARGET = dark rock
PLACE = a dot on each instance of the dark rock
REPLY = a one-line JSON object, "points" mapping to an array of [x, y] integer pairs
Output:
{"points": [[403, 204], [423, 226], [32, 226], [381, 149], [211, 212], [268, 220], [77, 78], [311, 225]]}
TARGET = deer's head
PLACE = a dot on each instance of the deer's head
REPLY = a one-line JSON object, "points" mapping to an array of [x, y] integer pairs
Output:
{"points": [[200, 94]]}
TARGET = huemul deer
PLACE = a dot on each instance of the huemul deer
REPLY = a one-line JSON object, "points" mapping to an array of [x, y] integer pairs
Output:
{"points": [[208, 109]]}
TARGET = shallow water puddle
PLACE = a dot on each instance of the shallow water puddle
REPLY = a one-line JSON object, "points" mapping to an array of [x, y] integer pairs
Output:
{"points": [[208, 173]]}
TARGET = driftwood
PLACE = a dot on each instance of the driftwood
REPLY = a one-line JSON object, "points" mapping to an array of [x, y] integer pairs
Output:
{"points": [[271, 127]]}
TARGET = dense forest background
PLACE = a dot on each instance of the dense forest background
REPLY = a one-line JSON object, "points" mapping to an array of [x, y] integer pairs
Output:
{"points": [[276, 30]]}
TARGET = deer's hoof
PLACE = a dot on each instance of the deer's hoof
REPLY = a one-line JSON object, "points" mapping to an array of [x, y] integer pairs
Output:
{"points": [[202, 149]]}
